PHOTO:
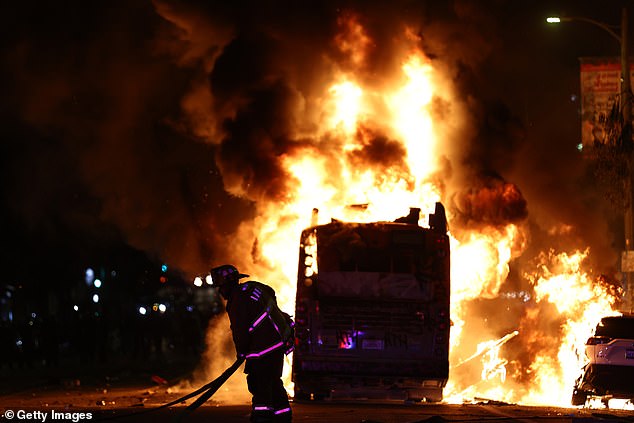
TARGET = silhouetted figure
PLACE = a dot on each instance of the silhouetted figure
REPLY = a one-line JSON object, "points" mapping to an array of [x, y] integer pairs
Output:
{"points": [[262, 334]]}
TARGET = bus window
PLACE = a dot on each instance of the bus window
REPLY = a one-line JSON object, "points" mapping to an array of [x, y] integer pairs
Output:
{"points": [[402, 262], [328, 260], [374, 260]]}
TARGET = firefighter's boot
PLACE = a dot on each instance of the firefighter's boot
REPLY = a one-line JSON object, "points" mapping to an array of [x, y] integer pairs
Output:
{"points": [[284, 415], [261, 414]]}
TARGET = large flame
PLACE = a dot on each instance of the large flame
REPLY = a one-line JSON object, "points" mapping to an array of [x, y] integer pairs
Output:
{"points": [[337, 170]]}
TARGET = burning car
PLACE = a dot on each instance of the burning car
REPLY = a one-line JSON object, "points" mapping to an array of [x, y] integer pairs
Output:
{"points": [[609, 372]]}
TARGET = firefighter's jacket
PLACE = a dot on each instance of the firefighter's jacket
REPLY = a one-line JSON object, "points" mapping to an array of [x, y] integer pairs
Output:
{"points": [[258, 326]]}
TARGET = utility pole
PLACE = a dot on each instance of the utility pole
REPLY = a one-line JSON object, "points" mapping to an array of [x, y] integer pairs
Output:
{"points": [[626, 134]]}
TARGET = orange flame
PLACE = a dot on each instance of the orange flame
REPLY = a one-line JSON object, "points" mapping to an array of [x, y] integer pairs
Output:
{"points": [[332, 173], [581, 303]]}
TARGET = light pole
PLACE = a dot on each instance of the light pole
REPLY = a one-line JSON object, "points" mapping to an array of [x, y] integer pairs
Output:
{"points": [[626, 134]]}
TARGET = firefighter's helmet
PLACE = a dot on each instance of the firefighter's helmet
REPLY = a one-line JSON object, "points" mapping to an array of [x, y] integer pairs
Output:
{"points": [[225, 274]]}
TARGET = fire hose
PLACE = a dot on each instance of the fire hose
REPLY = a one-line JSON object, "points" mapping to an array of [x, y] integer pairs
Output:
{"points": [[205, 393]]}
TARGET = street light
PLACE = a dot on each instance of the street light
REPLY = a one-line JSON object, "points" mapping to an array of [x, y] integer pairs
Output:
{"points": [[626, 130], [608, 28]]}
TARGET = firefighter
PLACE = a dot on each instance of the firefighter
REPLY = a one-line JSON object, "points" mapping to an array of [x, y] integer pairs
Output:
{"points": [[262, 335]]}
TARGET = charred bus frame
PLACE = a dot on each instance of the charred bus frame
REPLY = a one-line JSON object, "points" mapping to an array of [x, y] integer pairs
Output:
{"points": [[372, 310]]}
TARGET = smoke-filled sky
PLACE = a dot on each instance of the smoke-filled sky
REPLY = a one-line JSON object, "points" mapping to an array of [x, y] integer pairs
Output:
{"points": [[158, 125]]}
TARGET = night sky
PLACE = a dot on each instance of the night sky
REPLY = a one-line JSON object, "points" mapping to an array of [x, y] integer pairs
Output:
{"points": [[107, 149]]}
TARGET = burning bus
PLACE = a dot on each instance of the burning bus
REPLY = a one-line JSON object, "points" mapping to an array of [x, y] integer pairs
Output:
{"points": [[372, 310]]}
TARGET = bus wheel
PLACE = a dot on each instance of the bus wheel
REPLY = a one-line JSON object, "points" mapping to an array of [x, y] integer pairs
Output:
{"points": [[429, 395], [434, 396]]}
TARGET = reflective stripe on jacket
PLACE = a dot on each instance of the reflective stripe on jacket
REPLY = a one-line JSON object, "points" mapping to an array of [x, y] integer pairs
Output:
{"points": [[257, 324]]}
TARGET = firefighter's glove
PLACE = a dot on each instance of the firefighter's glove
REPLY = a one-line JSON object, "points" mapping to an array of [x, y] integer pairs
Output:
{"points": [[289, 346]]}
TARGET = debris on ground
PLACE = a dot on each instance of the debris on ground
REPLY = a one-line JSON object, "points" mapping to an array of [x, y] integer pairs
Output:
{"points": [[159, 380], [487, 401]]}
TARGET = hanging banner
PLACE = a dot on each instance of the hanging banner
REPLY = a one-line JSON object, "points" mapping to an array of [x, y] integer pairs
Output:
{"points": [[600, 90]]}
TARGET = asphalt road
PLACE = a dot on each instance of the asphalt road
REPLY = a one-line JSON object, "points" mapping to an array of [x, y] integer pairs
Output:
{"points": [[135, 396], [384, 413], [137, 404]]}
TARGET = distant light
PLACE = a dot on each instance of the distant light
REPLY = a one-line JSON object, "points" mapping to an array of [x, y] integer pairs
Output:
{"points": [[198, 281], [33, 315], [113, 273], [162, 308], [190, 308], [209, 280], [553, 19], [164, 268], [76, 307], [580, 147], [95, 298], [97, 283], [142, 310], [155, 307], [18, 343], [90, 276]]}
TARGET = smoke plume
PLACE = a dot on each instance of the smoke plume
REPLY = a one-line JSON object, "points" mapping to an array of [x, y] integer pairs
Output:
{"points": [[166, 125]]}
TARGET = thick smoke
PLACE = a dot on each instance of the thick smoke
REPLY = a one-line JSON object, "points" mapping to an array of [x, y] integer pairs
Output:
{"points": [[121, 106], [496, 203], [89, 147], [379, 153], [164, 125]]}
